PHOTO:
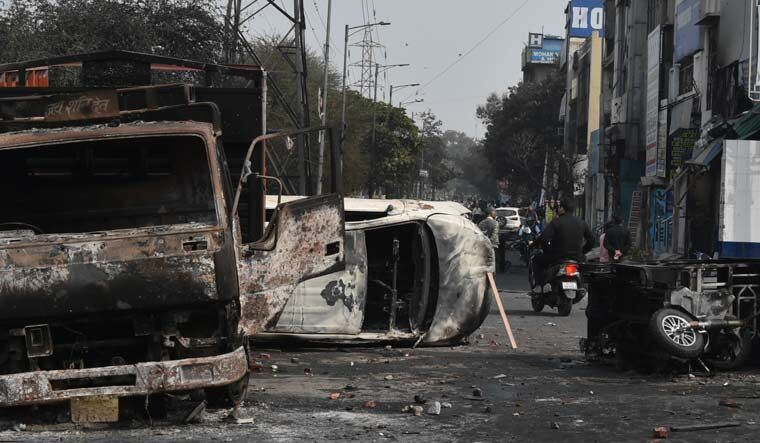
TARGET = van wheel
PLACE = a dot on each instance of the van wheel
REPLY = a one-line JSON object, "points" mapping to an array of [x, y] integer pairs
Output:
{"points": [[227, 396], [670, 328]]}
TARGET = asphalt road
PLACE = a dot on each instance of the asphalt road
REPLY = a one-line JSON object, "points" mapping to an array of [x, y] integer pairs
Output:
{"points": [[544, 391]]}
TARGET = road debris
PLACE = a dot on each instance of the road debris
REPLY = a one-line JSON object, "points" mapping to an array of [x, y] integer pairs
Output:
{"points": [[434, 408], [369, 404], [389, 377], [195, 414], [704, 426], [334, 396], [730, 403], [477, 392], [660, 432], [554, 425]]}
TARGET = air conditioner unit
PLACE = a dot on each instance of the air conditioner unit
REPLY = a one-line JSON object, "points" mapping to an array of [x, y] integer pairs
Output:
{"points": [[709, 12]]}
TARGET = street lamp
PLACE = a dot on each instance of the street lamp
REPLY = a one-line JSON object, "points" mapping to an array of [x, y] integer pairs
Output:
{"points": [[402, 104], [345, 66], [390, 96]]}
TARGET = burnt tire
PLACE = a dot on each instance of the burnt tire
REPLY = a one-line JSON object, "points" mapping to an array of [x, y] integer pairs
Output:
{"points": [[734, 351], [227, 396], [537, 302], [669, 328], [565, 306]]}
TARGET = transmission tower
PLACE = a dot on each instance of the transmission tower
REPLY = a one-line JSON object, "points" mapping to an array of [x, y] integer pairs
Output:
{"points": [[293, 49]]}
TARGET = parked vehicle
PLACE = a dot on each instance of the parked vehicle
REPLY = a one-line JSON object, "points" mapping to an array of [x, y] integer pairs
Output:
{"points": [[130, 262], [416, 273], [701, 310], [565, 286], [509, 220]]}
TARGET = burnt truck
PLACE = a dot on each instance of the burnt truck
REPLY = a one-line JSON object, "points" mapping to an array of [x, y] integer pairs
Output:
{"points": [[135, 259]]}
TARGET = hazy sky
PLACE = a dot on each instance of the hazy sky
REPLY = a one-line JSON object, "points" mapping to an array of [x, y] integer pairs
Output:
{"points": [[430, 35]]}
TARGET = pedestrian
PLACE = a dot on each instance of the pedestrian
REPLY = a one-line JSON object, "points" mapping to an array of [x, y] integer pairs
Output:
{"points": [[604, 255], [490, 228], [617, 239]]}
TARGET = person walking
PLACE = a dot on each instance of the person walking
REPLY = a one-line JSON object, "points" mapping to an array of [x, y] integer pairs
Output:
{"points": [[617, 239], [490, 228]]}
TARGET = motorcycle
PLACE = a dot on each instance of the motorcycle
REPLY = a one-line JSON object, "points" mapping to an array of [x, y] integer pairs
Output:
{"points": [[565, 281], [522, 245]]}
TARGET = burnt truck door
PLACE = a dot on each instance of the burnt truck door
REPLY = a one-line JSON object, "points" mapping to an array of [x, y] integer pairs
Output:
{"points": [[303, 239]]}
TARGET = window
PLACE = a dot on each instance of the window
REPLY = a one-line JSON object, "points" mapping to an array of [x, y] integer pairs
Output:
{"points": [[107, 184]]}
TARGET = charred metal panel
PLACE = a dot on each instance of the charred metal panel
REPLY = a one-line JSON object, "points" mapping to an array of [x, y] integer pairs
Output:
{"points": [[304, 240], [332, 303], [140, 269], [464, 257]]}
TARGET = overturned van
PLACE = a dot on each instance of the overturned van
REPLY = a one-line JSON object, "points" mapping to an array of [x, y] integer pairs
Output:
{"points": [[415, 272]]}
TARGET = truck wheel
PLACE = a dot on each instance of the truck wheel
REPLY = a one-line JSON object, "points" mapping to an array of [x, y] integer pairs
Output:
{"points": [[564, 306], [537, 302], [227, 396], [670, 328], [730, 350]]}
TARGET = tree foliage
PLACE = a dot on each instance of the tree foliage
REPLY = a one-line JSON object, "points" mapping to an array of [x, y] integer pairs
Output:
{"points": [[522, 129], [32, 29]]}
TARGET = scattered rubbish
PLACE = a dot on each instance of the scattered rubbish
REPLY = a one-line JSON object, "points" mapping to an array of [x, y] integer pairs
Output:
{"points": [[554, 425], [725, 384], [548, 400], [487, 410], [704, 426], [351, 364], [334, 395], [237, 417], [307, 371], [434, 408], [350, 388], [275, 368], [497, 377], [18, 427], [294, 359], [388, 347], [369, 404], [419, 399], [477, 392], [389, 377], [446, 405], [591, 392], [481, 336], [195, 413], [417, 410], [552, 324], [660, 432], [730, 403]]}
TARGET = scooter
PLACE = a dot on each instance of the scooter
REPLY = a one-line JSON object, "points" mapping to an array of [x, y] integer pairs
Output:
{"points": [[565, 281], [522, 245]]}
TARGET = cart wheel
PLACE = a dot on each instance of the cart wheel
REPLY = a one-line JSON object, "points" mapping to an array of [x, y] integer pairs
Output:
{"points": [[537, 301], [565, 306], [670, 328], [730, 350]]}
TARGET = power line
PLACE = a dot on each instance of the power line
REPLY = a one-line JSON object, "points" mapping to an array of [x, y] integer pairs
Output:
{"points": [[469, 51]]}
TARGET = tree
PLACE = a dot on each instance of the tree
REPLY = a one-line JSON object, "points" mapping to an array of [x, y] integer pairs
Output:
{"points": [[435, 159], [522, 133], [32, 29], [393, 158], [470, 169]]}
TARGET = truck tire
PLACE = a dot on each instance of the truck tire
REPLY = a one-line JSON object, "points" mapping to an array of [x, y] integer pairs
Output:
{"points": [[734, 351], [666, 325], [227, 396]]}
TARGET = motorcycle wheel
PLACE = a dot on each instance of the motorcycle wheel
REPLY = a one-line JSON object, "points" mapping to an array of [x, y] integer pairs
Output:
{"points": [[732, 352], [537, 302], [564, 306], [531, 278], [669, 327]]}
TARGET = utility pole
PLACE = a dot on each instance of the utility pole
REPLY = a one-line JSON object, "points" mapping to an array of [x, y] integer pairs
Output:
{"points": [[321, 159], [371, 187], [303, 110]]}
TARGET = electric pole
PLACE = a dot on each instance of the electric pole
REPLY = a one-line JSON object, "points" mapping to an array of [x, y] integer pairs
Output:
{"points": [[323, 110]]}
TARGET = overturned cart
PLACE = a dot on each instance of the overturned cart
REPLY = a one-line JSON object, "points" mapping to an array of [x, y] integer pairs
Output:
{"points": [[700, 311]]}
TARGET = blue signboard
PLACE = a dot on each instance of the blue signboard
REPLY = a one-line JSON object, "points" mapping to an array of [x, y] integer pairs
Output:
{"points": [[584, 17], [547, 54], [687, 38]]}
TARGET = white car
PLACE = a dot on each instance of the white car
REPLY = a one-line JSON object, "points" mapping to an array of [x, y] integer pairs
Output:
{"points": [[509, 219], [415, 272]]}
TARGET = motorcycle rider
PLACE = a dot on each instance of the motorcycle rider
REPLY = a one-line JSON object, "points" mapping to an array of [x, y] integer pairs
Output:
{"points": [[566, 238]]}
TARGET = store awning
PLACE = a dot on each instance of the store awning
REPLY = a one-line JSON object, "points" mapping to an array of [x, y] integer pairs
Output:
{"points": [[707, 155], [748, 124]]}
